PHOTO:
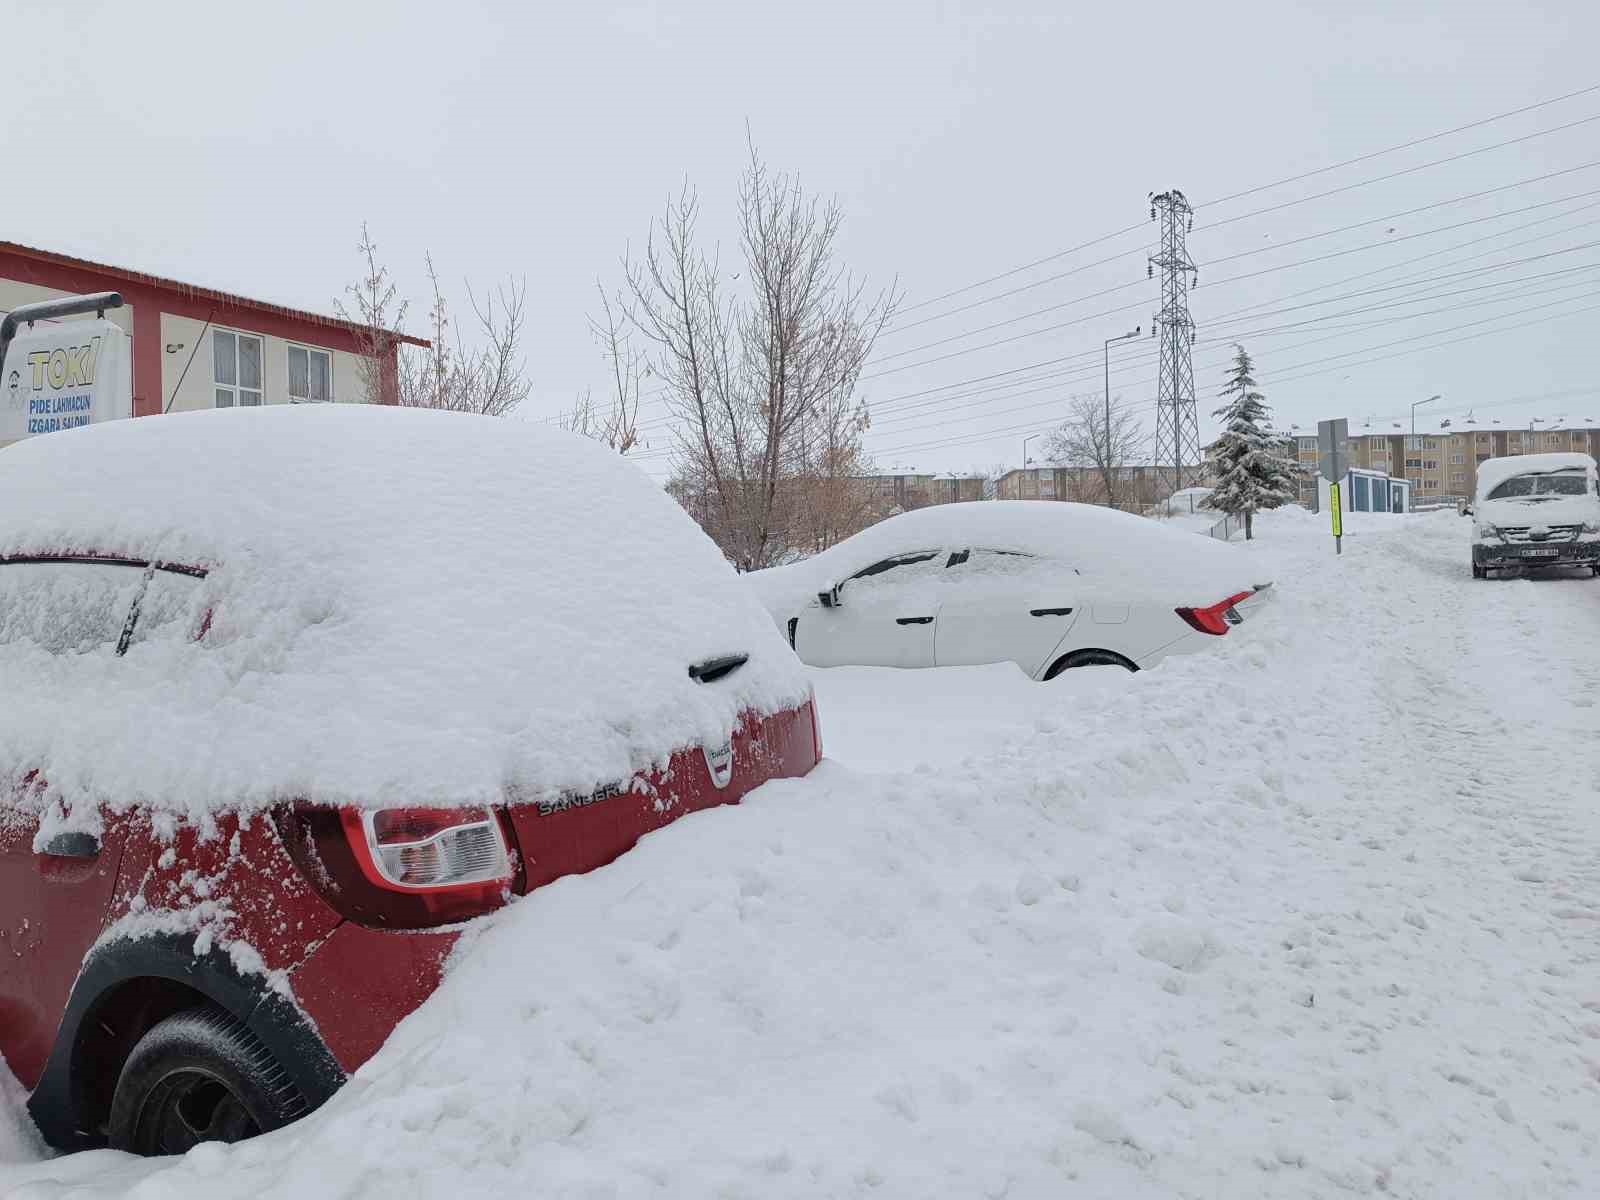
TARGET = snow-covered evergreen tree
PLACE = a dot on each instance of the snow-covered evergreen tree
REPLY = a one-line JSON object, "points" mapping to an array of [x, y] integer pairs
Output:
{"points": [[1251, 472]]}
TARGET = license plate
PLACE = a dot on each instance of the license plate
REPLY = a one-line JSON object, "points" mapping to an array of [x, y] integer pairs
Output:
{"points": [[1541, 552]]}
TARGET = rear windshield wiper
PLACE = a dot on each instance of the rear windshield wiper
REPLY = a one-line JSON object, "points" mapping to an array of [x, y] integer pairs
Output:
{"points": [[714, 669]]}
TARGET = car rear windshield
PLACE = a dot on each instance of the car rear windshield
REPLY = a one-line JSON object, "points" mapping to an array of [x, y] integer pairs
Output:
{"points": [[1567, 483], [78, 606]]}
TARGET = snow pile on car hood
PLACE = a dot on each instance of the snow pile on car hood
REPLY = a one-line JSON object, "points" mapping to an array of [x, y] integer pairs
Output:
{"points": [[1117, 554], [406, 606]]}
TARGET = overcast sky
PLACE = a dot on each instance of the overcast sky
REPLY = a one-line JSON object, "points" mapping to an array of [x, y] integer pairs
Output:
{"points": [[243, 147]]}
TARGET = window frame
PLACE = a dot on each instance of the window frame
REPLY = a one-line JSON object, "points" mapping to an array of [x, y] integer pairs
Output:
{"points": [[235, 388], [308, 350]]}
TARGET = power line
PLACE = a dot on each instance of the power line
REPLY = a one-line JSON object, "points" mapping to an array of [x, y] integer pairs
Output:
{"points": [[994, 434], [1490, 120], [1024, 267], [955, 337], [1432, 137], [1055, 388], [1438, 162], [944, 395], [1463, 199], [1095, 316], [1148, 406]]}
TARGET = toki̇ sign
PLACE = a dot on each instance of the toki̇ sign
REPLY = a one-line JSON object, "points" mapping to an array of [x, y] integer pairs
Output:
{"points": [[61, 375]]}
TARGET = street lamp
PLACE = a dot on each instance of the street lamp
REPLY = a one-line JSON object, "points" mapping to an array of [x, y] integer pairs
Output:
{"points": [[1123, 337], [1414, 408]]}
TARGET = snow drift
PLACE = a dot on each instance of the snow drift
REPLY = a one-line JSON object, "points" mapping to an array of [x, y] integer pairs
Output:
{"points": [[1215, 929], [405, 605]]}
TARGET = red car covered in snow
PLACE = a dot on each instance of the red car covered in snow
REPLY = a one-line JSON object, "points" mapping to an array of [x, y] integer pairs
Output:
{"points": [[293, 695]]}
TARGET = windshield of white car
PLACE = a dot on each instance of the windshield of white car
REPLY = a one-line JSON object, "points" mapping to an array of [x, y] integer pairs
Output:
{"points": [[1541, 487]]}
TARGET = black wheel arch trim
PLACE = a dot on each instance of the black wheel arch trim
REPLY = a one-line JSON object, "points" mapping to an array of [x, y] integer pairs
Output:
{"points": [[59, 1103], [1064, 661]]}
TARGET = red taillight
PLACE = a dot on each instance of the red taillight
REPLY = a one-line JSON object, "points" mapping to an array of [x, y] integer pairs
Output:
{"points": [[1213, 620], [429, 849], [374, 868]]}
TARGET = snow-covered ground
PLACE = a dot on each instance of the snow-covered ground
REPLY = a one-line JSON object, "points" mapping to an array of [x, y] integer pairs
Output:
{"points": [[1315, 915]]}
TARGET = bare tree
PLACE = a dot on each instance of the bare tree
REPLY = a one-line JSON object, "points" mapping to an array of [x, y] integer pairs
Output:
{"points": [[1086, 440], [991, 479], [617, 428], [763, 387], [378, 312], [489, 379]]}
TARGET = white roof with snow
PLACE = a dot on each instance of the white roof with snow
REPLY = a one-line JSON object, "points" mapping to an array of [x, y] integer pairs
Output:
{"points": [[408, 606]]}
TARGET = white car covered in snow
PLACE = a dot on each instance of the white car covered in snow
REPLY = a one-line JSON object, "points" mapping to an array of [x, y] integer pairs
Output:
{"points": [[1046, 586], [1536, 510]]}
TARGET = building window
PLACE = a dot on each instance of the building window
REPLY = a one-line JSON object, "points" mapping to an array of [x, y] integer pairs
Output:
{"points": [[1458, 476], [310, 376], [1414, 462], [236, 359], [1483, 458], [1413, 443], [1431, 464], [1457, 459], [1553, 439], [1430, 444]]}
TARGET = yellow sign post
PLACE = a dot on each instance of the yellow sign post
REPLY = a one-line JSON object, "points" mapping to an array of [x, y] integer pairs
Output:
{"points": [[1336, 505]]}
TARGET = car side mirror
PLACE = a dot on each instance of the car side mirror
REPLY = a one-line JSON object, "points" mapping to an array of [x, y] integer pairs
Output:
{"points": [[73, 845], [830, 598]]}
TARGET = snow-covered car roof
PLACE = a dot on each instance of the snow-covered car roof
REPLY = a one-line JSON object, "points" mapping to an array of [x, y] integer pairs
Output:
{"points": [[1495, 471], [1116, 552], [408, 606]]}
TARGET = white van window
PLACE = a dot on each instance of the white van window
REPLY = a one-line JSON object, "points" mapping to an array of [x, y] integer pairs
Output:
{"points": [[1567, 483]]}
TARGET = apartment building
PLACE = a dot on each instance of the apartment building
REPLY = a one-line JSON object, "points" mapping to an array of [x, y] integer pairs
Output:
{"points": [[1035, 483], [903, 491], [1138, 486], [1441, 462]]}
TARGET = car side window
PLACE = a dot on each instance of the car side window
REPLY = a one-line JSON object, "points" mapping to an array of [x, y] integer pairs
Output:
{"points": [[891, 580], [67, 607], [897, 562], [1001, 564]]}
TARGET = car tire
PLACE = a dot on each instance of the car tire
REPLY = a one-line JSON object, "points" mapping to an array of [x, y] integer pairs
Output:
{"points": [[199, 1076], [1479, 572], [1089, 658]]}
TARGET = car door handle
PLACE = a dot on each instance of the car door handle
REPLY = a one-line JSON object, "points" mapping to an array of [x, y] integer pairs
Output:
{"points": [[1049, 612], [913, 620]]}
